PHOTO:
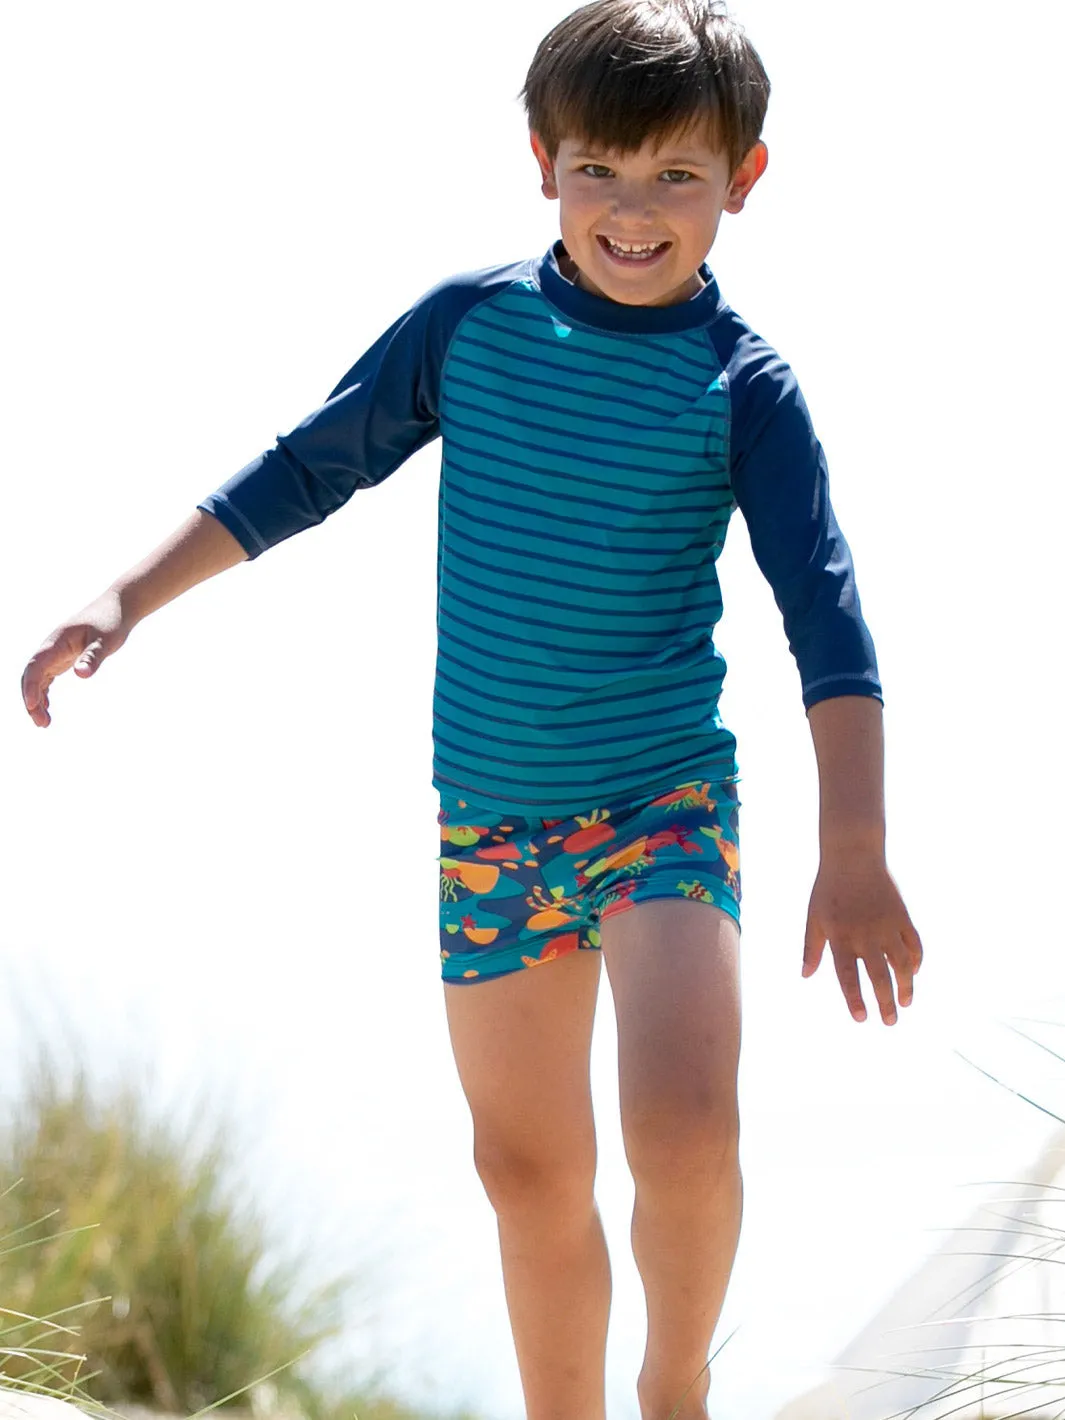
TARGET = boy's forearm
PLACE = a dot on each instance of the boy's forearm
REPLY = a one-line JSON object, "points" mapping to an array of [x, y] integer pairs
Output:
{"points": [[848, 735], [200, 548]]}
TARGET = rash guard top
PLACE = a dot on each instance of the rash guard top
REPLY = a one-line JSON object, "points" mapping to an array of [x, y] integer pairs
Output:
{"points": [[593, 453]]}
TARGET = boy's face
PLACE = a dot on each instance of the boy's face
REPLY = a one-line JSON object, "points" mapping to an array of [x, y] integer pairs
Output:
{"points": [[675, 197]]}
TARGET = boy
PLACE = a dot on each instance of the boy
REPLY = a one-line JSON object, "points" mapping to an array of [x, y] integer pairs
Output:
{"points": [[602, 413]]}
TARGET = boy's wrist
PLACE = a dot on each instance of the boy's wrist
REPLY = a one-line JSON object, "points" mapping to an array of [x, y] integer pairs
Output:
{"points": [[853, 838], [200, 548], [131, 608]]}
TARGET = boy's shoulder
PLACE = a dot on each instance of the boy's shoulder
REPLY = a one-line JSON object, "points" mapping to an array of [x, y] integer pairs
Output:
{"points": [[425, 330], [464, 289], [737, 343], [415, 345], [755, 372]]}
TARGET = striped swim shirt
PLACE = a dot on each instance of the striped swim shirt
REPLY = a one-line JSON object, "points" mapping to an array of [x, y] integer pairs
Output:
{"points": [[593, 453]]}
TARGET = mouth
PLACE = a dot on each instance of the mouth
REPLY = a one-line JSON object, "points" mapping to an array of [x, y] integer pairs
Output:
{"points": [[648, 256]]}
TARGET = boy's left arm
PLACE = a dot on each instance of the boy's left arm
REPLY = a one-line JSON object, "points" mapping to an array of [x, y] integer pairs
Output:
{"points": [[855, 906], [780, 481]]}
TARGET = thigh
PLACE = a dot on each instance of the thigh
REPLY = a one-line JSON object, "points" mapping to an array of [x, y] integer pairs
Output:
{"points": [[522, 1045], [673, 966]]}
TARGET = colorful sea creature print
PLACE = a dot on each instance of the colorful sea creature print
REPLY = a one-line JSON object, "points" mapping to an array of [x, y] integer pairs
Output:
{"points": [[518, 892]]}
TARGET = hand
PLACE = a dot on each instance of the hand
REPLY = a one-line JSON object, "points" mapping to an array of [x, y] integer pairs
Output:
{"points": [[856, 908], [83, 642]]}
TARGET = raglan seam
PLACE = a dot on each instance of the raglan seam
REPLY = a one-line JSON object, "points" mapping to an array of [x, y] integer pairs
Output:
{"points": [[466, 315], [726, 386]]}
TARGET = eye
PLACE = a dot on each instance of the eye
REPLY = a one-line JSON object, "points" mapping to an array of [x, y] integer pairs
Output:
{"points": [[682, 173]]}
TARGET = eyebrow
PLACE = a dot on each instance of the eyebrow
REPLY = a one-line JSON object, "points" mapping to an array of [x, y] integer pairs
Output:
{"points": [[671, 159]]}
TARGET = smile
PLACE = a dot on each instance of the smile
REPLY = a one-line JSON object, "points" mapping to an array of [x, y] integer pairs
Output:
{"points": [[640, 253]]}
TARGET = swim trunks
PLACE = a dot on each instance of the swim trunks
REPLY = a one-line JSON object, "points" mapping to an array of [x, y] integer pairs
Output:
{"points": [[518, 892]]}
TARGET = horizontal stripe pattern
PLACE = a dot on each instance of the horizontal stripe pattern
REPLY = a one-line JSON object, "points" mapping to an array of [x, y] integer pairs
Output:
{"points": [[584, 499]]}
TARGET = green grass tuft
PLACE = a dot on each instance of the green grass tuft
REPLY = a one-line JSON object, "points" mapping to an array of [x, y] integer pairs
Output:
{"points": [[132, 1271]]}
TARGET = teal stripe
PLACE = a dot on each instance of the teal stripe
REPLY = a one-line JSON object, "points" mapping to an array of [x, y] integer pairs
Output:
{"points": [[695, 447], [684, 684], [517, 584], [627, 614], [516, 549], [509, 531], [627, 770], [553, 447], [624, 367], [626, 643], [598, 738], [624, 403], [573, 477], [557, 514], [570, 499]]}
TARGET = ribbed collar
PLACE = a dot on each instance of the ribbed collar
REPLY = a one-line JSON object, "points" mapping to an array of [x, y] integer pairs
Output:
{"points": [[599, 311]]}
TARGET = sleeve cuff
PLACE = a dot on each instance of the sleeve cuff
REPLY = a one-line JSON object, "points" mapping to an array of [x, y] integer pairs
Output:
{"points": [[219, 506], [832, 687]]}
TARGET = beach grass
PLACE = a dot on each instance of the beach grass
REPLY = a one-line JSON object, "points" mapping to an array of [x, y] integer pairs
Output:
{"points": [[135, 1271], [1008, 1387]]}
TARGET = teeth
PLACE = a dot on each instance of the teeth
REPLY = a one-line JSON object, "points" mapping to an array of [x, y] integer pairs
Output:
{"points": [[633, 246]]}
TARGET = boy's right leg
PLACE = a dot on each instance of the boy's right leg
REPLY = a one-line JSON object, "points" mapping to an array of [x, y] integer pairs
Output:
{"points": [[522, 1045]]}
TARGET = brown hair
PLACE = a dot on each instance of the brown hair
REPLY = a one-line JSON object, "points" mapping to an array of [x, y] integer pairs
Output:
{"points": [[617, 72]]}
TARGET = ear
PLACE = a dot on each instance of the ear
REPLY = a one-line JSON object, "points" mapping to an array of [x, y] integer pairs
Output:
{"points": [[549, 187], [745, 177]]}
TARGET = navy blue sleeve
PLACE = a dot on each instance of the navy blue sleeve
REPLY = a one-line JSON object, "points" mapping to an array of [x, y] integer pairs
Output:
{"points": [[780, 483], [384, 409], [381, 412]]}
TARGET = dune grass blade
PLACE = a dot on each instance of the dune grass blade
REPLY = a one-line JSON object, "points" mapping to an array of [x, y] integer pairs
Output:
{"points": [[1035, 1105], [37, 1321], [965, 1384], [36, 1242]]}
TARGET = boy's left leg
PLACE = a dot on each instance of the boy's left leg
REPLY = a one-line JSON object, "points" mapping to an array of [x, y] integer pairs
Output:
{"points": [[673, 967]]}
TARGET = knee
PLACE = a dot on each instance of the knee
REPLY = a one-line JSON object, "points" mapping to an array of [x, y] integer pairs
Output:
{"points": [[684, 1142], [523, 1176]]}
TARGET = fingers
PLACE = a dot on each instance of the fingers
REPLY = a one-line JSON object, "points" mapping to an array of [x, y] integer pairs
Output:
{"points": [[847, 972], [904, 964], [880, 977], [913, 945], [813, 948], [53, 658], [36, 679], [90, 659], [876, 961]]}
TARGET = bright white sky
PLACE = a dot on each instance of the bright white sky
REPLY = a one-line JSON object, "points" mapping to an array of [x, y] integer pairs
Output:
{"points": [[221, 855]]}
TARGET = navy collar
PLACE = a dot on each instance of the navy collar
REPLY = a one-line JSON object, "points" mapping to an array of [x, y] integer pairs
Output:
{"points": [[599, 311]]}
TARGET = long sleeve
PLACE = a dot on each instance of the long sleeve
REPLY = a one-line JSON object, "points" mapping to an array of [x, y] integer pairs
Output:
{"points": [[780, 483], [384, 409]]}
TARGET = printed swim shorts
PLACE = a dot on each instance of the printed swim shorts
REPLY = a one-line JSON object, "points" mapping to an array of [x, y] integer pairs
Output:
{"points": [[518, 892]]}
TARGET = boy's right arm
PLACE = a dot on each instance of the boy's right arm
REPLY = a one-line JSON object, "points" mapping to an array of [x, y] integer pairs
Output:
{"points": [[382, 411], [199, 549]]}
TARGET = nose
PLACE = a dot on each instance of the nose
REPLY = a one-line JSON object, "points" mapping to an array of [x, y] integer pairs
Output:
{"points": [[634, 203]]}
